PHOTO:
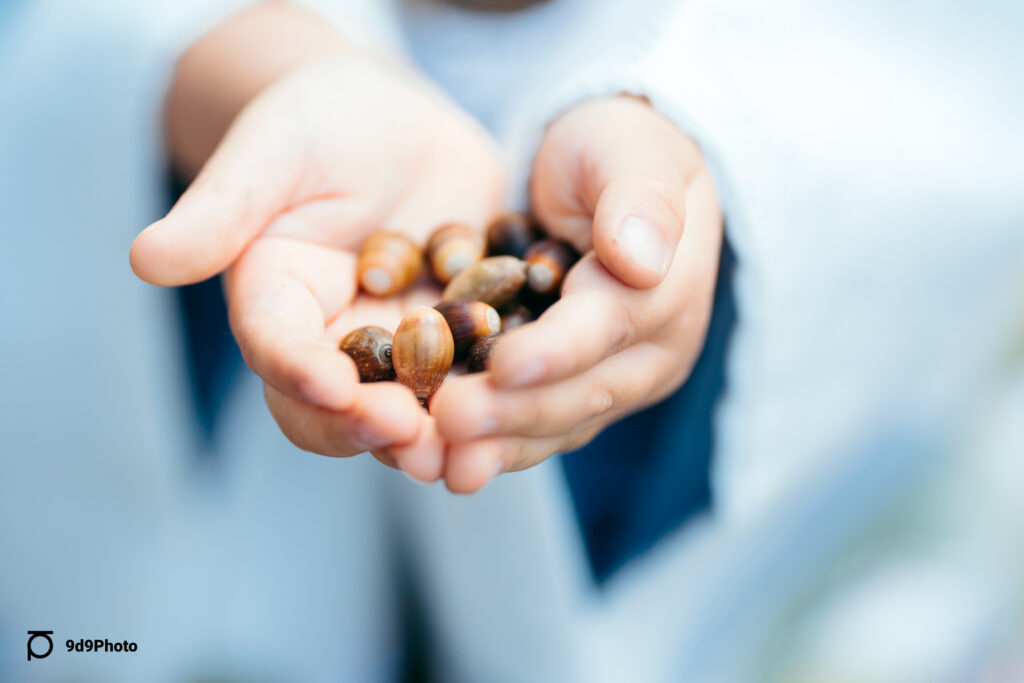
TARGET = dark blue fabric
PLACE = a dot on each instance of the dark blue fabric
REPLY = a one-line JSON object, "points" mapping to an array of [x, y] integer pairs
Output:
{"points": [[211, 355], [213, 358], [646, 475]]}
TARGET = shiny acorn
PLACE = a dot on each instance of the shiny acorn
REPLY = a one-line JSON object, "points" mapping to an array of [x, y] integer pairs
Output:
{"points": [[515, 317], [452, 248], [548, 260], [423, 351], [468, 320], [388, 263], [370, 348], [480, 353], [495, 281], [510, 234]]}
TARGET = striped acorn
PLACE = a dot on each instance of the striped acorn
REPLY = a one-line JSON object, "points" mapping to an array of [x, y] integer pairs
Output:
{"points": [[510, 234], [423, 351], [468, 320], [452, 248], [388, 263], [495, 281], [548, 260]]}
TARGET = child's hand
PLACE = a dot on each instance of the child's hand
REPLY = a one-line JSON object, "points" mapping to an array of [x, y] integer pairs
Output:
{"points": [[331, 152], [614, 176]]}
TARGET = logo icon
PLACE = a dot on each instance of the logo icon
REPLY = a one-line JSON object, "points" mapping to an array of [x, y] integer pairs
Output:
{"points": [[32, 635]]}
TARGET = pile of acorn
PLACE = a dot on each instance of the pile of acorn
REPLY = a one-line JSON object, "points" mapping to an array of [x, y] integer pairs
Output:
{"points": [[493, 283]]}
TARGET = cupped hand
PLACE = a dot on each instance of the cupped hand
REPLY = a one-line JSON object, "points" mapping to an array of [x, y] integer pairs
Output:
{"points": [[331, 152], [626, 187]]}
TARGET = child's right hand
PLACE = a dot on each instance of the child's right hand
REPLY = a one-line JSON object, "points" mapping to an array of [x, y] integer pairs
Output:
{"points": [[632, 192], [332, 151]]}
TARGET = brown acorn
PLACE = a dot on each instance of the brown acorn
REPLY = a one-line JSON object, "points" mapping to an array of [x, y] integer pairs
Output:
{"points": [[549, 261], [510, 234], [423, 351], [388, 263], [468, 320], [516, 317], [495, 280], [480, 353], [454, 247], [370, 348]]}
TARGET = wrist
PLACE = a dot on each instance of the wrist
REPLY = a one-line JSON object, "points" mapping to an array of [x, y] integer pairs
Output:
{"points": [[225, 69]]}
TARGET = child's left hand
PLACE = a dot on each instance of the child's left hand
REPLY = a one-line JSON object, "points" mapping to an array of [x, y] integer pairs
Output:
{"points": [[631, 192]]}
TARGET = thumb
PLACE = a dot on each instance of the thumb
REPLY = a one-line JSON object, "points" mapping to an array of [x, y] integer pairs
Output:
{"points": [[612, 174], [246, 181]]}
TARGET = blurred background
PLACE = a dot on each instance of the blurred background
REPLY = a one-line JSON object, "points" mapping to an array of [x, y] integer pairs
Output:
{"points": [[866, 526]]}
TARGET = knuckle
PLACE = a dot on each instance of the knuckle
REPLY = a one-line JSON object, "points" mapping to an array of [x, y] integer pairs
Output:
{"points": [[623, 325], [601, 399], [531, 414]]}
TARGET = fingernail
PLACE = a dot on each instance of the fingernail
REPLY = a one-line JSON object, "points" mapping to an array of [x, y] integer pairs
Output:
{"points": [[643, 244], [370, 436], [422, 466], [530, 373], [418, 482], [499, 467]]}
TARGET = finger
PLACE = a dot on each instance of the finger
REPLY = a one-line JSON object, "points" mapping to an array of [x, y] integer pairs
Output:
{"points": [[382, 415], [471, 408], [472, 466], [597, 316], [245, 183], [612, 174], [278, 295], [422, 459]]}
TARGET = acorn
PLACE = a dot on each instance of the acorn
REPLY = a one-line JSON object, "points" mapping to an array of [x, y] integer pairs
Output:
{"points": [[423, 351], [480, 353], [549, 260], [370, 348], [510, 234], [468, 320], [516, 317], [388, 263], [495, 281], [452, 248]]}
